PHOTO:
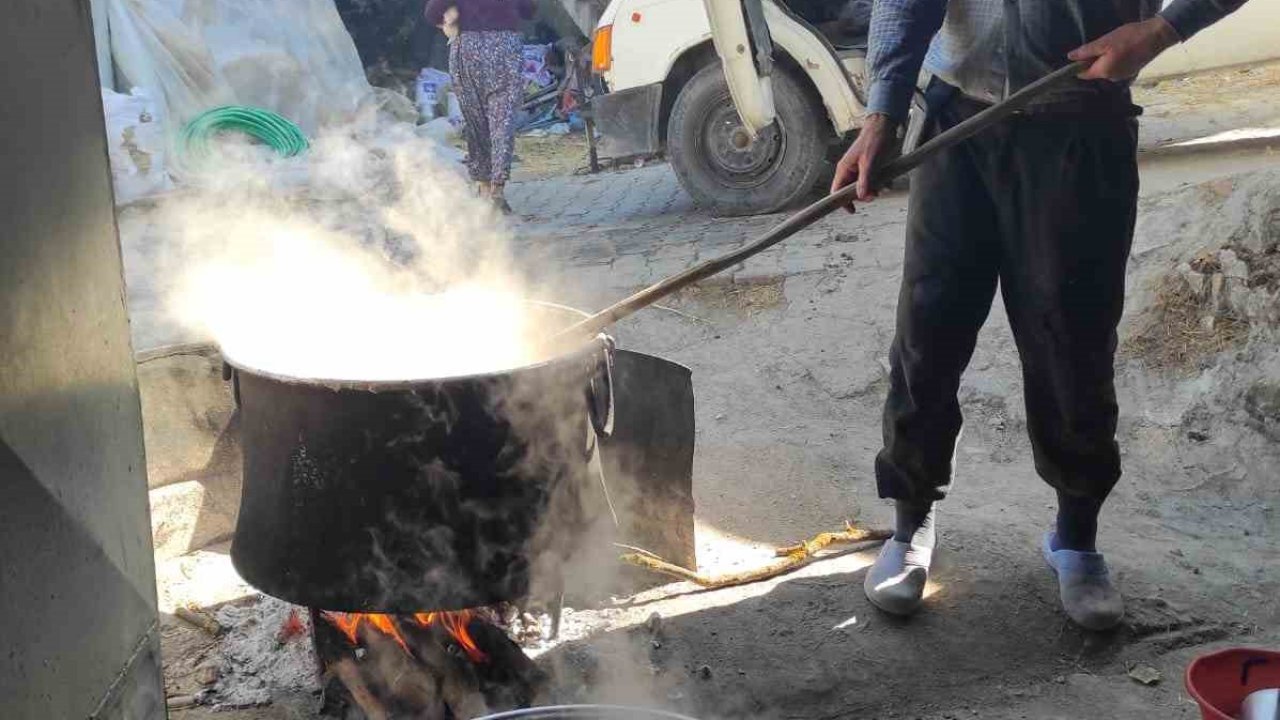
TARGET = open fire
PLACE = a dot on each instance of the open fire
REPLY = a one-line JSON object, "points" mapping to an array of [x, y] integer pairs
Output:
{"points": [[446, 665], [454, 623]]}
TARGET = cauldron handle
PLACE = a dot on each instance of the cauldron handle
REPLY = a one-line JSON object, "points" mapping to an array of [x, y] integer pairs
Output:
{"points": [[600, 390], [230, 375]]}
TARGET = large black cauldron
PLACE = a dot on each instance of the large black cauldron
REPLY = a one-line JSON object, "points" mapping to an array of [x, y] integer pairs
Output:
{"points": [[416, 495]]}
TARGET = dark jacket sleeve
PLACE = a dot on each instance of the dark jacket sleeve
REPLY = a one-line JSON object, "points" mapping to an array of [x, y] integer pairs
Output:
{"points": [[526, 9], [897, 42], [435, 9], [1189, 17]]}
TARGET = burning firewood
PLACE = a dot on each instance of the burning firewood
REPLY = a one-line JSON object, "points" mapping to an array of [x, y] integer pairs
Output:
{"points": [[386, 681], [510, 679], [349, 673], [430, 665], [459, 684], [399, 677], [793, 557]]}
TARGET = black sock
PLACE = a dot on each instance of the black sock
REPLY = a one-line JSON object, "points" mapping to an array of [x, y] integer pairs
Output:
{"points": [[913, 523], [1077, 523]]}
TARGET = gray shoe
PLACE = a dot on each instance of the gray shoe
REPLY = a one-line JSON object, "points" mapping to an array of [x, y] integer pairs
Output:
{"points": [[1084, 584], [895, 583]]}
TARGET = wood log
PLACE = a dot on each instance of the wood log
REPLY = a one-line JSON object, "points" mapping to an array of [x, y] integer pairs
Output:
{"points": [[792, 557], [395, 675], [178, 702], [200, 619], [850, 534], [459, 686], [430, 676], [352, 679], [510, 679]]}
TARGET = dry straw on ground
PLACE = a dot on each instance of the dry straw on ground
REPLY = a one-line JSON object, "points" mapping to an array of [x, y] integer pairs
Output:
{"points": [[1180, 328], [741, 297]]}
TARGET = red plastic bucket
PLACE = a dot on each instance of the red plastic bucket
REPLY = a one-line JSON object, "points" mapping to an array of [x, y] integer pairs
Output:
{"points": [[1220, 681]]}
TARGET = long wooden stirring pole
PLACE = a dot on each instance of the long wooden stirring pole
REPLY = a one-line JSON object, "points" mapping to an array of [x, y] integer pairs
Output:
{"points": [[589, 327]]}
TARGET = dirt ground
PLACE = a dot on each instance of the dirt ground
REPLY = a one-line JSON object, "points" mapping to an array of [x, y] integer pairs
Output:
{"points": [[544, 156], [789, 396], [790, 373], [1180, 109], [549, 156]]}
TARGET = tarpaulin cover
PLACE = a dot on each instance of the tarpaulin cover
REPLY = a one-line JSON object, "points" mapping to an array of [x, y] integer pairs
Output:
{"points": [[294, 58], [135, 144]]}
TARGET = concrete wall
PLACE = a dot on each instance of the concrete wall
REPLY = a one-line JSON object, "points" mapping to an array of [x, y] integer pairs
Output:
{"points": [[102, 44], [77, 583], [1251, 34]]}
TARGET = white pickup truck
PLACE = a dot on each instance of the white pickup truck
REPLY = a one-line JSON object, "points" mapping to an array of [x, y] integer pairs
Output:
{"points": [[751, 100]]}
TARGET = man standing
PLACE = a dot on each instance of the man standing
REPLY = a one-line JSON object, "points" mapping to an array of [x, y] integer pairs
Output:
{"points": [[1043, 204]]}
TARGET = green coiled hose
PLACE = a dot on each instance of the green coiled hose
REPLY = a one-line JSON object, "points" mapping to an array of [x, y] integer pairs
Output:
{"points": [[276, 132]]}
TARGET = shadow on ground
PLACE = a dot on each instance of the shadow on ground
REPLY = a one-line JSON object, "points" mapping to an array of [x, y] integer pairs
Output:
{"points": [[815, 648]]}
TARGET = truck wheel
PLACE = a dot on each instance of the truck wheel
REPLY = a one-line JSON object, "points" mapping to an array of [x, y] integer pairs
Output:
{"points": [[725, 170]]}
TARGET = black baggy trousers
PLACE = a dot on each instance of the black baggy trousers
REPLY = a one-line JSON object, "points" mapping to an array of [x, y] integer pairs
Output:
{"points": [[1042, 204]]}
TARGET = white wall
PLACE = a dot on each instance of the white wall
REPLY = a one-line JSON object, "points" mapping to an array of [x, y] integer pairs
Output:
{"points": [[1250, 34]]}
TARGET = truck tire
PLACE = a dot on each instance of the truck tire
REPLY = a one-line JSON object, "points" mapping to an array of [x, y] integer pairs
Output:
{"points": [[705, 144]]}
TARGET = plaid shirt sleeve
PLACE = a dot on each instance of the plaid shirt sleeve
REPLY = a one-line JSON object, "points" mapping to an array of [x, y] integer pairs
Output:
{"points": [[899, 38], [1189, 17]]}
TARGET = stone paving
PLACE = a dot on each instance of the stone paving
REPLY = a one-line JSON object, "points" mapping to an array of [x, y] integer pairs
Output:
{"points": [[621, 230], [629, 228], [626, 228]]}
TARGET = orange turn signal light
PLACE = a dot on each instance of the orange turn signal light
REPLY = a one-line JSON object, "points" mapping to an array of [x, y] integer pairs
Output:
{"points": [[602, 49]]}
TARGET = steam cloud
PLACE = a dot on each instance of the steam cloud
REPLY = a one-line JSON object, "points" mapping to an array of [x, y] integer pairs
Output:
{"points": [[369, 260], [360, 260]]}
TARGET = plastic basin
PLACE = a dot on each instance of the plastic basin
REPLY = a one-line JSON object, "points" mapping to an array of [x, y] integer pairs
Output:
{"points": [[1220, 681]]}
